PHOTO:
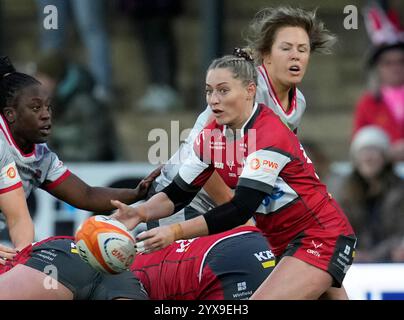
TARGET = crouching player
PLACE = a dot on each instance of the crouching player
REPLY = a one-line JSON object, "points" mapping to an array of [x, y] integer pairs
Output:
{"points": [[230, 265], [52, 269]]}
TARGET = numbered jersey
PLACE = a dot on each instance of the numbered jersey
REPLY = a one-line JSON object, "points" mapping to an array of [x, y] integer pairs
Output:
{"points": [[265, 155], [40, 168]]}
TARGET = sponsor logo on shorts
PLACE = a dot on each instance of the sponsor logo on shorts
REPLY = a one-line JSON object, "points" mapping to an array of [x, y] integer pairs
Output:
{"points": [[314, 252], [344, 259], [316, 246], [73, 248], [241, 286], [241, 291], [266, 258]]}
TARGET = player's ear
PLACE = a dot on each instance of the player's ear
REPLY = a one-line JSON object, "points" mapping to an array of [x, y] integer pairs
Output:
{"points": [[251, 90], [10, 114]]}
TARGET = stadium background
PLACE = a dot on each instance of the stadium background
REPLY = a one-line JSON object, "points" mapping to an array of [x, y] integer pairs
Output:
{"points": [[331, 86]]}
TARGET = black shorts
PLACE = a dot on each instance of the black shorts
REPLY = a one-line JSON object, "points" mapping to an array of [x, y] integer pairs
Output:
{"points": [[59, 259], [240, 264]]}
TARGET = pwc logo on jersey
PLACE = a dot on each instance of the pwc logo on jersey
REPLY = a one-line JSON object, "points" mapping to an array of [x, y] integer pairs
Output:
{"points": [[265, 165]]}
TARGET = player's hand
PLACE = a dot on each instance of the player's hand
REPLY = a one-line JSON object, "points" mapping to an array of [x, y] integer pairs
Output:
{"points": [[6, 253], [155, 239], [143, 187], [129, 216]]}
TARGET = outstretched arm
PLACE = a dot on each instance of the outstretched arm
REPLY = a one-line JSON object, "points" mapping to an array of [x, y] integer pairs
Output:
{"points": [[171, 199], [79, 194]]}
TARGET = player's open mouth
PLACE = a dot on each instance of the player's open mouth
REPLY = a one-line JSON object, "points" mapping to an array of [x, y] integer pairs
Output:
{"points": [[217, 112], [45, 129], [295, 70]]}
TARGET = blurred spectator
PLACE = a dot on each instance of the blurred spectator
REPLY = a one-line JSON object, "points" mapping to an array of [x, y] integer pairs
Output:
{"points": [[153, 22], [372, 197], [383, 105], [89, 16], [83, 128]]}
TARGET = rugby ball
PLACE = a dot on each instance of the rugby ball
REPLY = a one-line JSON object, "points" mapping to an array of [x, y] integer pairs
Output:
{"points": [[105, 244]]}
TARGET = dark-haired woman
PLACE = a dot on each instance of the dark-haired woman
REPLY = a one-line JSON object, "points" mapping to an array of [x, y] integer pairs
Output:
{"points": [[25, 125]]}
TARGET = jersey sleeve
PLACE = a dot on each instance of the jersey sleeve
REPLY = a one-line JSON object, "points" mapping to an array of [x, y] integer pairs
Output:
{"points": [[56, 174], [262, 168], [9, 177]]}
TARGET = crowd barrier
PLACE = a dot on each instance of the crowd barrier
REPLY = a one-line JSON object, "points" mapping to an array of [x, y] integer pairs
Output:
{"points": [[375, 281]]}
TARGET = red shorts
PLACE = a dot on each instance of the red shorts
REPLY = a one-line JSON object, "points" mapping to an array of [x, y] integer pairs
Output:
{"points": [[330, 251]]}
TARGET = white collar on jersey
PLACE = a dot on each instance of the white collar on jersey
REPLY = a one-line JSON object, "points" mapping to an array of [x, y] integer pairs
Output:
{"points": [[254, 110]]}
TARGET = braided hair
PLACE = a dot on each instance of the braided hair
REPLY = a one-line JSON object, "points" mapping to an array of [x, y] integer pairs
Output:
{"points": [[241, 64], [11, 82]]}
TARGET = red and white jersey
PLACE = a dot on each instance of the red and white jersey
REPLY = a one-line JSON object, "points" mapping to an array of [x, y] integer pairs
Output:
{"points": [[9, 177], [176, 272], [40, 168], [267, 96], [265, 155]]}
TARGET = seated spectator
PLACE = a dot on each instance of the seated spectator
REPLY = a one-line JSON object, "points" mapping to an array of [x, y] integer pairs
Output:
{"points": [[83, 127], [372, 197], [383, 104]]}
